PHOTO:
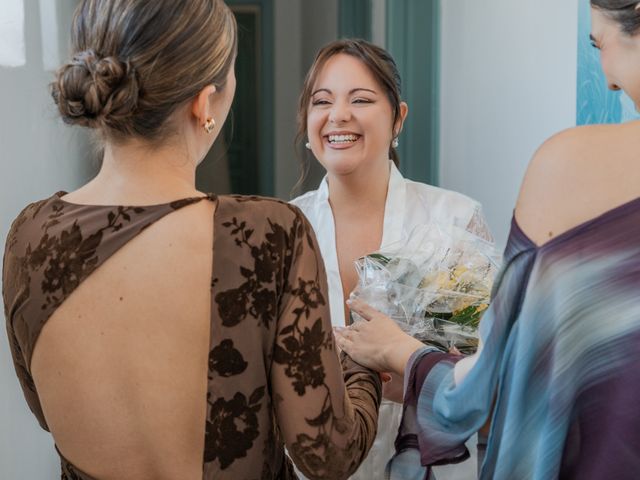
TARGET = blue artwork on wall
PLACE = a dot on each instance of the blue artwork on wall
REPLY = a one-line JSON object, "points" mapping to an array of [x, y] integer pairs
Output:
{"points": [[596, 103]]}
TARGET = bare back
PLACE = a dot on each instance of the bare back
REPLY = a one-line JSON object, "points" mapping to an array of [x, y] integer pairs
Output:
{"points": [[126, 396]]}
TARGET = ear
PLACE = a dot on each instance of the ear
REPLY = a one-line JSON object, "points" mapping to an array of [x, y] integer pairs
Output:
{"points": [[201, 105], [404, 110]]}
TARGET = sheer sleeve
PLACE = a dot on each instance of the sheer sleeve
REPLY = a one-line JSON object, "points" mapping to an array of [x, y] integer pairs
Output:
{"points": [[327, 414], [478, 225], [15, 293]]}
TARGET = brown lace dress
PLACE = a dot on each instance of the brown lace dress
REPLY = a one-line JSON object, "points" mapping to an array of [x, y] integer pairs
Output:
{"points": [[268, 278]]}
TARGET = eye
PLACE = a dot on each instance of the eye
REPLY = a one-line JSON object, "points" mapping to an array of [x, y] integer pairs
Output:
{"points": [[594, 45], [320, 101], [362, 100]]}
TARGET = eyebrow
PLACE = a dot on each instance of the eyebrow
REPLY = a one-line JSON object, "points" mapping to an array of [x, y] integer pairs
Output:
{"points": [[351, 92]]}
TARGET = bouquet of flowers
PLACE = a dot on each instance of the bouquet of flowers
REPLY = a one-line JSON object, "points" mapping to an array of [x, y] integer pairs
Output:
{"points": [[435, 285]]}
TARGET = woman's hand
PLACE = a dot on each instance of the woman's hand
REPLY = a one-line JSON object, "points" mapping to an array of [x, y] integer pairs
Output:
{"points": [[377, 343]]}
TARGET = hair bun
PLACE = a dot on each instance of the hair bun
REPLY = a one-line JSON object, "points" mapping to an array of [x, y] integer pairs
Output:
{"points": [[96, 91]]}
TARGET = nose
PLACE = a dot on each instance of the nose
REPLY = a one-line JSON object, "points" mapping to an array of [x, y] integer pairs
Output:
{"points": [[340, 113]]}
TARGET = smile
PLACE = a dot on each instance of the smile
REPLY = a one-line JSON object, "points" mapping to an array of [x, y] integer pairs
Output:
{"points": [[342, 139]]}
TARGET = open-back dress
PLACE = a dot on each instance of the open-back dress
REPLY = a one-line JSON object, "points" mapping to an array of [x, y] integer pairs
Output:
{"points": [[269, 316]]}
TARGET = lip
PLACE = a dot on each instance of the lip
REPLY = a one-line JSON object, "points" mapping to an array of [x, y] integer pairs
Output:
{"points": [[344, 146], [341, 132]]}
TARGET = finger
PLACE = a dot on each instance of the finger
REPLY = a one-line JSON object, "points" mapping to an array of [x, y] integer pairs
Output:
{"points": [[453, 350], [338, 330], [361, 308], [344, 344], [344, 333]]}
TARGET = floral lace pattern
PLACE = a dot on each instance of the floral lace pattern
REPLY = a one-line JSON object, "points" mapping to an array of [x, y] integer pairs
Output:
{"points": [[279, 289], [273, 377]]}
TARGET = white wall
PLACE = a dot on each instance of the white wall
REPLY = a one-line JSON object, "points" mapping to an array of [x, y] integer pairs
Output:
{"points": [[38, 156], [508, 81]]}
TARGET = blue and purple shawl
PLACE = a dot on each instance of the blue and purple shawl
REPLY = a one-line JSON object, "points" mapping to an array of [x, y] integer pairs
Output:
{"points": [[559, 370]]}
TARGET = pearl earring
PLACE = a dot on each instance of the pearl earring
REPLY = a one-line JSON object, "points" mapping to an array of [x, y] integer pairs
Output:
{"points": [[395, 143], [308, 145]]}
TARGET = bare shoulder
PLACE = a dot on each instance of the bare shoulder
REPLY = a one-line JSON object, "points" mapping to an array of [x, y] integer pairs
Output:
{"points": [[576, 175], [555, 162]]}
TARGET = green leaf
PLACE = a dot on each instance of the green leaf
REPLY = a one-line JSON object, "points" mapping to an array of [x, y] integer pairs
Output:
{"points": [[379, 257]]}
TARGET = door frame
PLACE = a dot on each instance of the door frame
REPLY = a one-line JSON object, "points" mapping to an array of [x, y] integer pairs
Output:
{"points": [[266, 94]]}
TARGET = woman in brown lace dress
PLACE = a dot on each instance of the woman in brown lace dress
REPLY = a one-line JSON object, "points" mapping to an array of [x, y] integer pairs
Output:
{"points": [[158, 332]]}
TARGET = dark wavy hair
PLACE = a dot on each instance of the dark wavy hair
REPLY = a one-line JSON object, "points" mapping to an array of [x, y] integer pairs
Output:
{"points": [[625, 12]]}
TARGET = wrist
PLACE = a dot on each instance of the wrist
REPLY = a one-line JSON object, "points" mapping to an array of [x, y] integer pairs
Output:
{"points": [[397, 354]]}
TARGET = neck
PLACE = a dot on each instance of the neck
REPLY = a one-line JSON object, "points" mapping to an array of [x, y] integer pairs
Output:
{"points": [[139, 174], [361, 191]]}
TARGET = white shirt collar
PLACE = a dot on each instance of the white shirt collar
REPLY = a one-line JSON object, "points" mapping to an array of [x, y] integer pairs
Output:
{"points": [[323, 189], [394, 208]]}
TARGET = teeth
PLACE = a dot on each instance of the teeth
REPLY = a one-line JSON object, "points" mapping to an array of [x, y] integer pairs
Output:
{"points": [[342, 138]]}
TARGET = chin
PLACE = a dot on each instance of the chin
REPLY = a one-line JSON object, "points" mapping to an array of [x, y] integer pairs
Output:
{"points": [[343, 165], [340, 167]]}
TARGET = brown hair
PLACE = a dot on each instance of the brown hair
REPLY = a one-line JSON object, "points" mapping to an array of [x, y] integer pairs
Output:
{"points": [[625, 12], [379, 62], [135, 62]]}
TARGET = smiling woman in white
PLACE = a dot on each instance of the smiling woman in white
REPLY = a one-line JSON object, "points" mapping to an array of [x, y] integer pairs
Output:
{"points": [[407, 205], [351, 112]]}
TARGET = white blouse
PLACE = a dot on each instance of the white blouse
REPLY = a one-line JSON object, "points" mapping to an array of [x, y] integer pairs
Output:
{"points": [[408, 205]]}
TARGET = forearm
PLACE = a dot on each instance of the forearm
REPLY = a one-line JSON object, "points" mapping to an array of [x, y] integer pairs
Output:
{"points": [[364, 391]]}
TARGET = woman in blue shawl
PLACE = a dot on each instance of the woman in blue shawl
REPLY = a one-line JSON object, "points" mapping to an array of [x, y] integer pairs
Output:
{"points": [[557, 374]]}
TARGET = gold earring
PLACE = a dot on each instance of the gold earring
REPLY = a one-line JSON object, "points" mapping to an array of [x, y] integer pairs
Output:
{"points": [[209, 125]]}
